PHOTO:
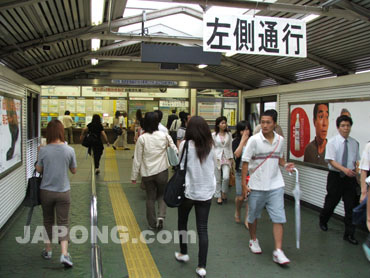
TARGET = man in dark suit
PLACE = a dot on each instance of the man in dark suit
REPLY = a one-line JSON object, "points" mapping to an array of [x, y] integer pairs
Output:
{"points": [[171, 118]]}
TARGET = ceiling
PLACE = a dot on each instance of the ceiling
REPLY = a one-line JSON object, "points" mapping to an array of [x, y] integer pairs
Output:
{"points": [[48, 42]]}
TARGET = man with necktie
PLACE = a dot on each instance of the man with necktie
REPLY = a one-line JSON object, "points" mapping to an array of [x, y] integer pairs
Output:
{"points": [[342, 155]]}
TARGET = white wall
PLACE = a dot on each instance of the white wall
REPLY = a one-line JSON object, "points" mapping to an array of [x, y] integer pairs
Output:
{"points": [[13, 185], [313, 181]]}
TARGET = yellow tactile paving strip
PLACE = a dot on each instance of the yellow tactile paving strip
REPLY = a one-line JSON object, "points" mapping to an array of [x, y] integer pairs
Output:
{"points": [[139, 260]]}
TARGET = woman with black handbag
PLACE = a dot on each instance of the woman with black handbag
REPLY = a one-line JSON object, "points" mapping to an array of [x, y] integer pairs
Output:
{"points": [[96, 130], [55, 187], [200, 185]]}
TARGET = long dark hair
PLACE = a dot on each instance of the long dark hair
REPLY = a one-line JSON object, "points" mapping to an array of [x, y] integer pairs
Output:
{"points": [[184, 119], [198, 131], [139, 117], [150, 122], [117, 114], [96, 120], [242, 125], [218, 121]]}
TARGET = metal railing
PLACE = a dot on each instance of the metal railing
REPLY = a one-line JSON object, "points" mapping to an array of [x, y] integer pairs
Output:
{"points": [[96, 263]]}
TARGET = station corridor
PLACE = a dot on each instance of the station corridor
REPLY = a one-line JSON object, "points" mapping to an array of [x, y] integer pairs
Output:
{"points": [[121, 203]]}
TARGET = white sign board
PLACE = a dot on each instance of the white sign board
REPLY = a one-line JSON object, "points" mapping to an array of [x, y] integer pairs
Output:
{"points": [[258, 35]]}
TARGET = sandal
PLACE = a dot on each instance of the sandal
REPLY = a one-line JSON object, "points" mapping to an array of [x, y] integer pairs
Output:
{"points": [[237, 219]]}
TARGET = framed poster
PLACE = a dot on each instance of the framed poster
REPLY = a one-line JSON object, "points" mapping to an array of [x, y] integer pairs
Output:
{"points": [[312, 124], [10, 133]]}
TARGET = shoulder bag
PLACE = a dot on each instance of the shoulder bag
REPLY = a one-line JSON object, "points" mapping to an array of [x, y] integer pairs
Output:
{"points": [[173, 159], [89, 140], [32, 194], [174, 192]]}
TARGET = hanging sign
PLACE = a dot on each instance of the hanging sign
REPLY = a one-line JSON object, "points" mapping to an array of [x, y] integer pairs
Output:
{"points": [[258, 35]]}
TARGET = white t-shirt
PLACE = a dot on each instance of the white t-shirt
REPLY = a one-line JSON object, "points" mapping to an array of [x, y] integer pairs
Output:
{"points": [[268, 176], [162, 128], [365, 160], [200, 180]]}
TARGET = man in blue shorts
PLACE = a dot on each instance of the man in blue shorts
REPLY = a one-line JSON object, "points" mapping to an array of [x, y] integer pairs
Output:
{"points": [[262, 156]]}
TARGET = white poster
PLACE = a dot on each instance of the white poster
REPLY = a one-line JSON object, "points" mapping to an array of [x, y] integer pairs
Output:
{"points": [[10, 133], [254, 35]]}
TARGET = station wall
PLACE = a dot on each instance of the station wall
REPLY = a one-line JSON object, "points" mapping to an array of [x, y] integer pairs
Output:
{"points": [[13, 183], [313, 180]]}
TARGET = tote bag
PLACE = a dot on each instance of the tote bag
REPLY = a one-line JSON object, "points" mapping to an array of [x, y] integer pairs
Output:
{"points": [[33, 191], [173, 159], [174, 192]]}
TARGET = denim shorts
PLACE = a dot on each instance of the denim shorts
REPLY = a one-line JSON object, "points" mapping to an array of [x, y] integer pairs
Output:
{"points": [[274, 202], [238, 183]]}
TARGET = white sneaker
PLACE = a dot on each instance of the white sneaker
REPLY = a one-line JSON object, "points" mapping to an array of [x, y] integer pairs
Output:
{"points": [[255, 246], [182, 258], [279, 257], [201, 272]]}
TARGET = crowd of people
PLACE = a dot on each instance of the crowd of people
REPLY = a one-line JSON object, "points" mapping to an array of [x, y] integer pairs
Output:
{"points": [[211, 157]]}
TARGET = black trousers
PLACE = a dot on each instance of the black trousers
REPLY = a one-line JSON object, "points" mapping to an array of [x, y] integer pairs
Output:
{"points": [[97, 152], [337, 188], [201, 214]]}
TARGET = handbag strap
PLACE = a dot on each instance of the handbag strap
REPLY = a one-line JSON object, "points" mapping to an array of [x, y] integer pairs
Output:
{"points": [[268, 155], [186, 146]]}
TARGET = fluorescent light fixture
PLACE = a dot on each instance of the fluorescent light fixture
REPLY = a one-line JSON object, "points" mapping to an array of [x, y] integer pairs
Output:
{"points": [[94, 62], [95, 44], [310, 17], [97, 11], [202, 66], [105, 114], [230, 53]]}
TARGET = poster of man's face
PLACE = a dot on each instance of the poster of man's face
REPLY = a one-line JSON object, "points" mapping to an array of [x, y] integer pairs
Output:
{"points": [[10, 132], [312, 124]]}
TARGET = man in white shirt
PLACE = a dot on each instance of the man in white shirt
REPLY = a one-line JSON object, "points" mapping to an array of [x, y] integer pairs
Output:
{"points": [[68, 123], [262, 156], [342, 155]]}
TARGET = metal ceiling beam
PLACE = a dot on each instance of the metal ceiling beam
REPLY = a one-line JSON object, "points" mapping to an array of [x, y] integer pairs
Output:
{"points": [[356, 9], [18, 3], [146, 71], [236, 83], [333, 67], [77, 56], [53, 62], [136, 38], [9, 50], [277, 78], [114, 58], [272, 7], [63, 73]]}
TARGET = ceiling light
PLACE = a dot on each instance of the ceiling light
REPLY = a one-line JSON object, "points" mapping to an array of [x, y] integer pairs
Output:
{"points": [[202, 66], [230, 53], [97, 11], [310, 17], [95, 44], [94, 62]]}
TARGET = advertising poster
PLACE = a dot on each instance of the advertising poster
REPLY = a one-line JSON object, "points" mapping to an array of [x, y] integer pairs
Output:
{"points": [[10, 133], [312, 124]]}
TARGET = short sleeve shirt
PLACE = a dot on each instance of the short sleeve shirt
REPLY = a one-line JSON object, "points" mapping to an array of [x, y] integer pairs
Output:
{"points": [[365, 160], [56, 160], [335, 149], [268, 176]]}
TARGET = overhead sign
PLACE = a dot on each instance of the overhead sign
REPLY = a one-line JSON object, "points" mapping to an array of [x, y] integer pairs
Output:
{"points": [[258, 35], [144, 82]]}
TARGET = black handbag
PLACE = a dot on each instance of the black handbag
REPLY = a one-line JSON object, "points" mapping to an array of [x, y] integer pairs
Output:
{"points": [[89, 140], [33, 191], [174, 192], [117, 130]]}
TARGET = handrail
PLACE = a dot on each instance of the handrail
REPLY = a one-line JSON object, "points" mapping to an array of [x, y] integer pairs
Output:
{"points": [[96, 262]]}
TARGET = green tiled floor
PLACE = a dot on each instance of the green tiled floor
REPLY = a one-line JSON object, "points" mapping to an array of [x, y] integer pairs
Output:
{"points": [[321, 254]]}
